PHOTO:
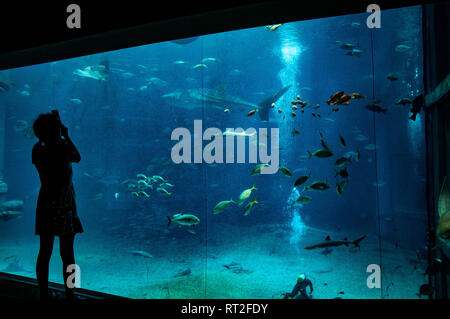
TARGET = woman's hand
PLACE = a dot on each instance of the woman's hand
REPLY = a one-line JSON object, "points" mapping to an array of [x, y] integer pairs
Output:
{"points": [[64, 131]]}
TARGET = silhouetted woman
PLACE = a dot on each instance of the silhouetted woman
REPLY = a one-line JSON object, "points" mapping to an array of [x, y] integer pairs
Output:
{"points": [[56, 211]]}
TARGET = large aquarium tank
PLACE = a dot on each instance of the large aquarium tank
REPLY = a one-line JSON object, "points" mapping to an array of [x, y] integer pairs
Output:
{"points": [[326, 176]]}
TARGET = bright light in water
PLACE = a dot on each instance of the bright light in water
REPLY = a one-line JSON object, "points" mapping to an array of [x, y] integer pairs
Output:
{"points": [[290, 53]]}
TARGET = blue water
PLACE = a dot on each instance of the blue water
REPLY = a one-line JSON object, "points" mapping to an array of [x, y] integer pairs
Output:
{"points": [[122, 127]]}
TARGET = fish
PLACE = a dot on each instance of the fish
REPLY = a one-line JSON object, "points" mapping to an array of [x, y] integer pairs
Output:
{"points": [[340, 187], [220, 207], [322, 153], [443, 229], [179, 62], [165, 185], [356, 24], [403, 101], [335, 243], [251, 112], [418, 103], [361, 138], [370, 147], [245, 195], [285, 171], [402, 48], [249, 207], [183, 219], [342, 173], [318, 186], [343, 100], [11, 205], [293, 114], [184, 41], [183, 273], [295, 132], [375, 108], [304, 199], [90, 72], [347, 46], [218, 98], [199, 66], [257, 169], [141, 253], [342, 162], [9, 214], [357, 96], [204, 60], [302, 179], [163, 191], [392, 77], [341, 139], [335, 97], [273, 27], [159, 178], [76, 101], [354, 52], [324, 144]]}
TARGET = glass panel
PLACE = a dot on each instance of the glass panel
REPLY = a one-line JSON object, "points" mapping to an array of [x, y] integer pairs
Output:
{"points": [[348, 192]]}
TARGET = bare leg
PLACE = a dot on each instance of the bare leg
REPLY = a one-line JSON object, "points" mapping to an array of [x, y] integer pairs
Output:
{"points": [[68, 258], [42, 264]]}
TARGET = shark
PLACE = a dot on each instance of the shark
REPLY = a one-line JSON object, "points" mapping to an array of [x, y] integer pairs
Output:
{"points": [[219, 99], [335, 243]]}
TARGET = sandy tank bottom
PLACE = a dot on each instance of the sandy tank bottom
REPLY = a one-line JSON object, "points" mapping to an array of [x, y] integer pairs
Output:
{"points": [[263, 265]]}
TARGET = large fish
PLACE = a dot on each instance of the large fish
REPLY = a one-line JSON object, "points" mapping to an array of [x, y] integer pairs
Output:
{"points": [[220, 99], [335, 243]]}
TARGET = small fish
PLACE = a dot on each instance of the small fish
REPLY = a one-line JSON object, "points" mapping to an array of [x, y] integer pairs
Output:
{"points": [[324, 144], [295, 132], [183, 219], [220, 207], [342, 140], [302, 179], [356, 24], [293, 114], [354, 52], [340, 187], [370, 147], [76, 101], [226, 111], [163, 191], [402, 48], [342, 173], [273, 27], [361, 138], [245, 195], [375, 108], [200, 66], [257, 169], [322, 153], [249, 207], [335, 97], [318, 186], [204, 60], [316, 106], [280, 110], [392, 77], [357, 96], [403, 101], [251, 112], [285, 171], [116, 196], [304, 199], [141, 253], [342, 162]]}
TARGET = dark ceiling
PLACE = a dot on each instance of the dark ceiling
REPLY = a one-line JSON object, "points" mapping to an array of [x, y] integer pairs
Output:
{"points": [[37, 32]]}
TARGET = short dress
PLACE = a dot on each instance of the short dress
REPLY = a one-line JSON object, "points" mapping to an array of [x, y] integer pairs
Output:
{"points": [[56, 210]]}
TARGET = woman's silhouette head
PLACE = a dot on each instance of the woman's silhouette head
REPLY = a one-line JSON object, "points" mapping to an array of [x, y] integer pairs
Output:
{"points": [[47, 127]]}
